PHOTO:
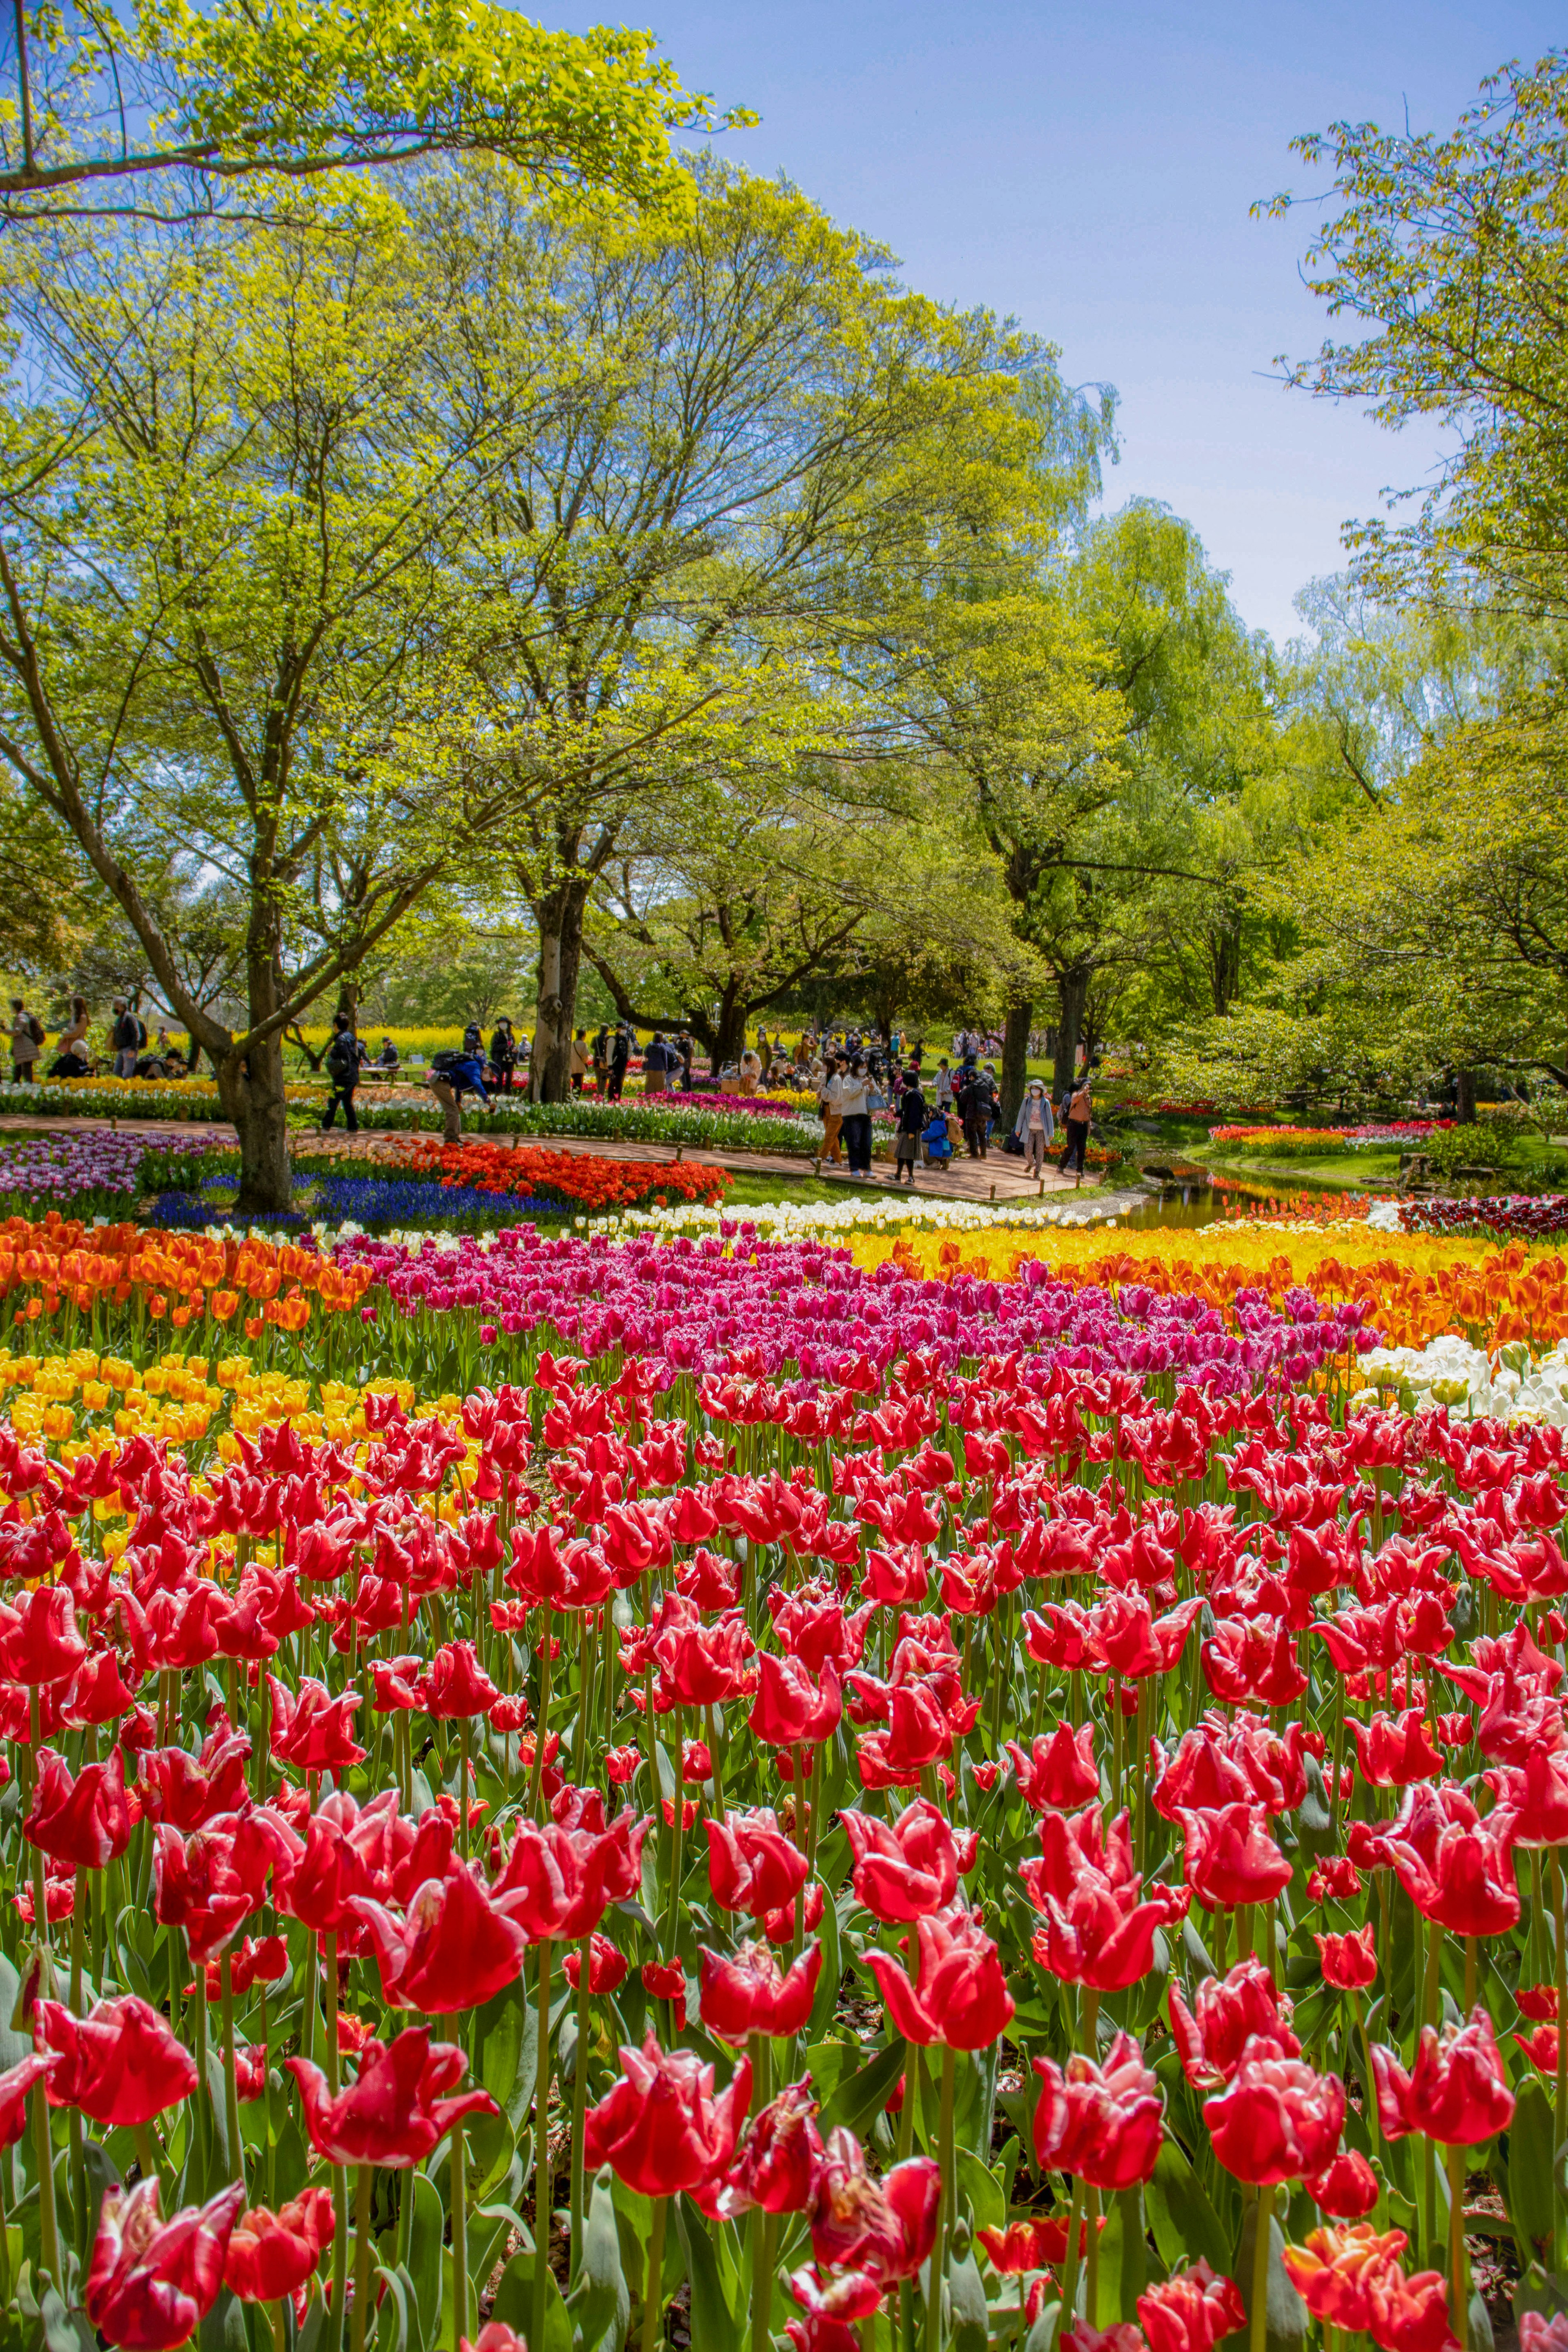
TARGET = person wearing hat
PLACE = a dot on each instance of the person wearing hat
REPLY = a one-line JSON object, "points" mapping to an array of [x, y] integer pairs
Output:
{"points": [[1035, 1127]]}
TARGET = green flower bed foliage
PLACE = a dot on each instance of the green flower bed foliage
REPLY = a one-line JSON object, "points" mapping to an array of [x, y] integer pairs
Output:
{"points": [[614, 1123]]}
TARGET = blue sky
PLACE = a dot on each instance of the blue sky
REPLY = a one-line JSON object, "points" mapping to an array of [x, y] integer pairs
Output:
{"points": [[1089, 169]]}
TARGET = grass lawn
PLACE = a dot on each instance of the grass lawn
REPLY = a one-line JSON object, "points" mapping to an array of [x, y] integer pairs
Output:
{"points": [[765, 1191]]}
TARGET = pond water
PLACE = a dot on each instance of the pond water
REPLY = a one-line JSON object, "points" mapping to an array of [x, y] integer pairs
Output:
{"points": [[1202, 1200]]}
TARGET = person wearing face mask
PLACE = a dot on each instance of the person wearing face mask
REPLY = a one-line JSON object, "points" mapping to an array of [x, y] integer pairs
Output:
{"points": [[1035, 1127]]}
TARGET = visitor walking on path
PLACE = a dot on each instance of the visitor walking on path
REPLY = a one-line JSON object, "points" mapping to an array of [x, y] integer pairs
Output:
{"points": [[854, 1110], [1035, 1127], [343, 1069], [127, 1036], [912, 1127], [829, 1100], [620, 1060], [1079, 1115], [976, 1095], [27, 1036]]}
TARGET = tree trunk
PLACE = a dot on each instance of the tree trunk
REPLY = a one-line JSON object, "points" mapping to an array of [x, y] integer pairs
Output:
{"points": [[730, 1037], [1225, 963], [1464, 1097], [560, 920], [1015, 1061], [259, 1111], [1074, 988]]}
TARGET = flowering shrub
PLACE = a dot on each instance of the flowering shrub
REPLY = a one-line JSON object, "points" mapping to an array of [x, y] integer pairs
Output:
{"points": [[790, 1719]]}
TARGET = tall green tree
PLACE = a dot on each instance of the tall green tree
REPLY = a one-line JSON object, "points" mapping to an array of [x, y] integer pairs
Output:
{"points": [[758, 429], [223, 617], [159, 106], [1446, 253]]}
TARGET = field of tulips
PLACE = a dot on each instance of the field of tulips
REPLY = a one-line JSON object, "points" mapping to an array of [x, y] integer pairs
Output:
{"points": [[956, 1792]]}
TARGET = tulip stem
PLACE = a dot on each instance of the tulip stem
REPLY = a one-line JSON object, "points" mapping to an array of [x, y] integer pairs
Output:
{"points": [[542, 2183], [542, 1726], [718, 1768], [580, 2099], [1557, 1878], [362, 2252], [230, 2081], [458, 2178], [1459, 2317], [653, 2284], [676, 1841], [466, 1734], [1092, 2275], [334, 2327], [946, 2204], [1069, 2259], [1259, 2333]]}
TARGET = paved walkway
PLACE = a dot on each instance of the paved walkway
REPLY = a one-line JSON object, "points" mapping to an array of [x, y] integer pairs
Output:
{"points": [[999, 1177]]}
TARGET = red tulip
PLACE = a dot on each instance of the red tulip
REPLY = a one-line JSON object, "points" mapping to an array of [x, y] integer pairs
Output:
{"points": [[1021, 2247], [1060, 1772], [85, 1822], [1540, 2045], [39, 1640], [1097, 1930], [560, 1878], [793, 1708], [831, 2308], [1101, 2123], [776, 2164], [1349, 1962], [310, 1729], [884, 2227], [190, 1790], [15, 2090], [396, 2111], [454, 1947], [1454, 1867], [120, 2064], [1457, 2092], [1392, 1754], [457, 1685], [1191, 2310], [665, 1980], [751, 1865], [1231, 1859], [748, 1993], [960, 1996], [607, 1966], [150, 2281], [318, 1889], [904, 1871], [271, 2255], [1347, 2189], [661, 2126], [1277, 2120]]}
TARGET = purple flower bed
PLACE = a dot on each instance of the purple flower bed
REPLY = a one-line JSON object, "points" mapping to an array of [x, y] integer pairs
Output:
{"points": [[803, 1310], [68, 1172]]}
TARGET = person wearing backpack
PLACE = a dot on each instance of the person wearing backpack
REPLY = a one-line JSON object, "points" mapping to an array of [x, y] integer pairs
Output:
{"points": [[125, 1037], [937, 1142], [343, 1069], [1079, 1113], [27, 1036], [453, 1075], [911, 1126], [974, 1101]]}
